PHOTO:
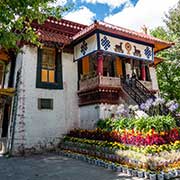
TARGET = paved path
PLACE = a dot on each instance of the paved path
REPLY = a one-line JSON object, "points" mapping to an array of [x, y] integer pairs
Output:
{"points": [[54, 167]]}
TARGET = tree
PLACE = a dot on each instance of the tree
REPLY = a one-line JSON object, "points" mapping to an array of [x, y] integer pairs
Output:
{"points": [[16, 18], [168, 72]]}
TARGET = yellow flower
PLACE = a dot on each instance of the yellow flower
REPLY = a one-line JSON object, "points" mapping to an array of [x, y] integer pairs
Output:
{"points": [[162, 133]]}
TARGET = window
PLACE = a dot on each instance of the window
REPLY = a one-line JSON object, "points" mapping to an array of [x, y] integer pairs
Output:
{"points": [[48, 66], [45, 103], [49, 69]]}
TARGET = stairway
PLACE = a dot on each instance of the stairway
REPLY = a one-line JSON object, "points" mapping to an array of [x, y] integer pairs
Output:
{"points": [[137, 91], [140, 94]]}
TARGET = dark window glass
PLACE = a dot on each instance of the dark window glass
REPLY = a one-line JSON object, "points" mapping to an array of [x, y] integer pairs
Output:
{"points": [[45, 103]]}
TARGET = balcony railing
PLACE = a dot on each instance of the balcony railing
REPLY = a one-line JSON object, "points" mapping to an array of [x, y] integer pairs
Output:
{"points": [[99, 81]]}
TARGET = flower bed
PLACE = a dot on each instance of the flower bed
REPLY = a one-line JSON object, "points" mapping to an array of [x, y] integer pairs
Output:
{"points": [[124, 159], [153, 158], [138, 150], [113, 146], [144, 147], [131, 137]]}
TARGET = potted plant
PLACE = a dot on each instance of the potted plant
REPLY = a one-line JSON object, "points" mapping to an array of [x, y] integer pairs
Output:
{"points": [[129, 171], [166, 175], [160, 176], [140, 173], [119, 168], [146, 174], [134, 172], [152, 176]]}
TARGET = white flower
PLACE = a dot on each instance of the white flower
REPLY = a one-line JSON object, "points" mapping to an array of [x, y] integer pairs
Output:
{"points": [[103, 108], [121, 106], [130, 107], [168, 104], [136, 107], [147, 107], [142, 106], [173, 107], [158, 101], [120, 111], [139, 114], [133, 108], [112, 107], [149, 102]]}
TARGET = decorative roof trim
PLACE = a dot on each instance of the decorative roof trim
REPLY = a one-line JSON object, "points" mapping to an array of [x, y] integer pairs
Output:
{"points": [[131, 32], [84, 31], [121, 31], [57, 31], [66, 23], [52, 37]]}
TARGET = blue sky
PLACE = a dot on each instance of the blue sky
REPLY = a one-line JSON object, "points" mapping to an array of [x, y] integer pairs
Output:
{"points": [[101, 9], [132, 14]]}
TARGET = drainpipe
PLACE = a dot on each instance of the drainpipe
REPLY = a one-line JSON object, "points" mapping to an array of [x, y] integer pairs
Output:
{"points": [[12, 119]]}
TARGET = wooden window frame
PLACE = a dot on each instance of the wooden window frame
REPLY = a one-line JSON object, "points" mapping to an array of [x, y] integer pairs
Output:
{"points": [[58, 84]]}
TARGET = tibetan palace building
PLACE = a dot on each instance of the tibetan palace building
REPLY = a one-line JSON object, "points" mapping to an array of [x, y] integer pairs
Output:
{"points": [[46, 91]]}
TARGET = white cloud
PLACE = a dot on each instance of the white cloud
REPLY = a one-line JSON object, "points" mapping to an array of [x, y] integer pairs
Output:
{"points": [[146, 12], [111, 3], [61, 2], [58, 3], [83, 15]]}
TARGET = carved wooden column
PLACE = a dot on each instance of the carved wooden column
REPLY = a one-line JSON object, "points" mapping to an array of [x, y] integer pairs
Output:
{"points": [[143, 71], [100, 64]]}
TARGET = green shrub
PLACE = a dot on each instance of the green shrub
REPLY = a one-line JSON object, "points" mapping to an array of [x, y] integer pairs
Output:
{"points": [[158, 123]]}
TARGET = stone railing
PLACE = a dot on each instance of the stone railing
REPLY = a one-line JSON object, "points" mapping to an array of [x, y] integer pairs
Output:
{"points": [[147, 84], [99, 81]]}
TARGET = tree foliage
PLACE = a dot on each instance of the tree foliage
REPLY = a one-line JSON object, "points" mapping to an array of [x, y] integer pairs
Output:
{"points": [[16, 17], [168, 72]]}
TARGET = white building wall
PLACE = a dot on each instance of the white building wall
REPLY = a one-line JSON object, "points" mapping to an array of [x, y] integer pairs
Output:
{"points": [[152, 71], [89, 115], [42, 127]]}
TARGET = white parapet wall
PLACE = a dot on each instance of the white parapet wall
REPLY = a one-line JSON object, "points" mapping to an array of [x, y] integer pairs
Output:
{"points": [[35, 128], [154, 79], [90, 114]]}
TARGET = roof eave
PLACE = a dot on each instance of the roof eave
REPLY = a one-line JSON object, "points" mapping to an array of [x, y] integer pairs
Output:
{"points": [[163, 46], [4, 55], [85, 32]]}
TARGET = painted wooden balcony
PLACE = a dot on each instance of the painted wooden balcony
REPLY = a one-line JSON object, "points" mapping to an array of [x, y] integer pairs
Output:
{"points": [[104, 89], [99, 89], [99, 81]]}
